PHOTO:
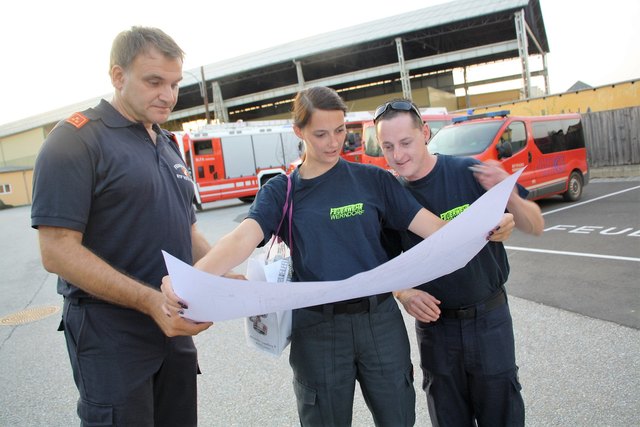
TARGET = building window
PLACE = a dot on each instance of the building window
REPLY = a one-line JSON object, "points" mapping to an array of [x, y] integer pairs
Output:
{"points": [[5, 188]]}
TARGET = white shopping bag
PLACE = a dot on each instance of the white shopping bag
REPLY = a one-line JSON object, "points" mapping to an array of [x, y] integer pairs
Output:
{"points": [[270, 332]]}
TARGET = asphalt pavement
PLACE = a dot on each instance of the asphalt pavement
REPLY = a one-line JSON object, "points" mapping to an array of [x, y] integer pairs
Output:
{"points": [[576, 369]]}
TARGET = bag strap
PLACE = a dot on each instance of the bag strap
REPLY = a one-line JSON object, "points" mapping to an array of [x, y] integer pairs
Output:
{"points": [[288, 203]]}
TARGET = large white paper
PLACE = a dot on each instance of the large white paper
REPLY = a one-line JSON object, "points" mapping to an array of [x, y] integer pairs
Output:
{"points": [[215, 298]]}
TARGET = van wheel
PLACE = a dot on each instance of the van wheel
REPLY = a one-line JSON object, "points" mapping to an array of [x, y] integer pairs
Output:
{"points": [[248, 199], [574, 189]]}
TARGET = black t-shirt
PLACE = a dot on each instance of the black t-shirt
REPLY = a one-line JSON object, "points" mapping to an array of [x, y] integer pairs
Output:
{"points": [[102, 175], [447, 191], [337, 218]]}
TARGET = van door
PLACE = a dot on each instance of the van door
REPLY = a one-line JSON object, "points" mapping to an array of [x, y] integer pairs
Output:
{"points": [[515, 137]]}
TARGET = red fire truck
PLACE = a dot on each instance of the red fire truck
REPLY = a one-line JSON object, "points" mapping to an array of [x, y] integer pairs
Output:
{"points": [[234, 160], [353, 147]]}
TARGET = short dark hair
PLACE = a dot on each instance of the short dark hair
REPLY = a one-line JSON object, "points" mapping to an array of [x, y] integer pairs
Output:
{"points": [[390, 113], [316, 98], [131, 43]]}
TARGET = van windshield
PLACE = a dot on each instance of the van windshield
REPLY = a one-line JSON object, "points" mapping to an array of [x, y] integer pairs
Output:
{"points": [[436, 125], [464, 140]]}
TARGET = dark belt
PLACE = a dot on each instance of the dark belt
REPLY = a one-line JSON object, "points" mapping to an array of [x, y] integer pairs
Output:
{"points": [[84, 300], [470, 312], [349, 307]]}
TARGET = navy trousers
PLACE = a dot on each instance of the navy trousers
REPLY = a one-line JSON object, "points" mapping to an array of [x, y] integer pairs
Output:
{"points": [[470, 372], [330, 352], [128, 373]]}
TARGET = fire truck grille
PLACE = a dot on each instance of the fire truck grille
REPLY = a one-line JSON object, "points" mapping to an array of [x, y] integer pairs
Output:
{"points": [[29, 315]]}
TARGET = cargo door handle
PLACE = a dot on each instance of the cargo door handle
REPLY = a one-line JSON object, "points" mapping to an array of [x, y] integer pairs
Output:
{"points": [[529, 155]]}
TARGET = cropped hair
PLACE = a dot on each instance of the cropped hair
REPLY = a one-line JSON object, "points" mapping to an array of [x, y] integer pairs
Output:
{"points": [[139, 40], [316, 98]]}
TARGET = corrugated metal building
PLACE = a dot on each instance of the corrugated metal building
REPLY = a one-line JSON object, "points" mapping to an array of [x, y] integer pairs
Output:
{"points": [[411, 54]]}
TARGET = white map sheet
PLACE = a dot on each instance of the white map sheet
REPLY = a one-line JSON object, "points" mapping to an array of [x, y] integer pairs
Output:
{"points": [[215, 298]]}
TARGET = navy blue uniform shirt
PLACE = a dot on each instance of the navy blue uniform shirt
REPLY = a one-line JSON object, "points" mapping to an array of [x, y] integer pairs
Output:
{"points": [[447, 191], [102, 175], [337, 218]]}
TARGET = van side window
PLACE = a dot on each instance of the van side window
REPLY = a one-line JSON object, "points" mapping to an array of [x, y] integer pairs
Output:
{"points": [[516, 135], [558, 135], [575, 137]]}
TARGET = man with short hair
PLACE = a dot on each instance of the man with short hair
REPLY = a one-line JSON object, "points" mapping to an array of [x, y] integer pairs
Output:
{"points": [[110, 193], [463, 324]]}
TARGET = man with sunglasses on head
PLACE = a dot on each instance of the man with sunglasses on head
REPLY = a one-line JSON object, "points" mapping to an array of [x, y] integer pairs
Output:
{"points": [[463, 324]]}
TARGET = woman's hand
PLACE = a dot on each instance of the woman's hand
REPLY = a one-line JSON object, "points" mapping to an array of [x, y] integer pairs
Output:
{"points": [[504, 229], [173, 307]]}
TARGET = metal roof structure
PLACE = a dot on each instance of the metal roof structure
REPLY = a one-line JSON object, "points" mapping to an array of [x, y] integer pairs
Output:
{"points": [[436, 23], [436, 38], [365, 60]]}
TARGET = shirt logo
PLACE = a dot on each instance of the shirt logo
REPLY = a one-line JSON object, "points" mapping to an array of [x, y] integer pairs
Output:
{"points": [[346, 211], [452, 213], [182, 172]]}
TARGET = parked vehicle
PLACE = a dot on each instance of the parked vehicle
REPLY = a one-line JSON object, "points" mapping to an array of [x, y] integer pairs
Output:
{"points": [[552, 149], [353, 148], [234, 160]]}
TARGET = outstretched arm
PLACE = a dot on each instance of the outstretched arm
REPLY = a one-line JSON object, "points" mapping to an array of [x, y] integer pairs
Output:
{"points": [[425, 223], [230, 251]]}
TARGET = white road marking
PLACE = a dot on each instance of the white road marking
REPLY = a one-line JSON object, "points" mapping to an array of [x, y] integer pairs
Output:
{"points": [[587, 255], [573, 205]]}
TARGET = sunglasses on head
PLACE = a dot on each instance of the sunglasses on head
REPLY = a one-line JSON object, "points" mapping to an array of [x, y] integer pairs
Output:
{"points": [[395, 105]]}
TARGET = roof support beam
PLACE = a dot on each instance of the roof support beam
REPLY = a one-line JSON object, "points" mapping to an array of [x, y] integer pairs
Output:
{"points": [[299, 74], [404, 73], [544, 56], [218, 103], [523, 50], [385, 70]]}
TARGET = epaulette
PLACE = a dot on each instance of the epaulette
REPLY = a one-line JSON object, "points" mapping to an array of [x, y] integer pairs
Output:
{"points": [[77, 120]]}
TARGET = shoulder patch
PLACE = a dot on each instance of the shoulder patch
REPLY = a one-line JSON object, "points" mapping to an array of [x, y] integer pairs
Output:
{"points": [[78, 120]]}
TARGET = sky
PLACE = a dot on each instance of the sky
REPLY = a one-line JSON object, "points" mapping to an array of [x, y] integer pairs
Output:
{"points": [[56, 53]]}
